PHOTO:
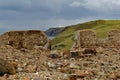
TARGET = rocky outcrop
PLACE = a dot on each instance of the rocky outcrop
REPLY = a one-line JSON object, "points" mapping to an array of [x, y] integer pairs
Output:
{"points": [[54, 31], [28, 39]]}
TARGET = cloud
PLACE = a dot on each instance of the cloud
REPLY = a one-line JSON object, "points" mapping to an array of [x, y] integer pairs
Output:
{"points": [[29, 9], [75, 4], [15, 5], [43, 14], [102, 5], [30, 5], [53, 5]]}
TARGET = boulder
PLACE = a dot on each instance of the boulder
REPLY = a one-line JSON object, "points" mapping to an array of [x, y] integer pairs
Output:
{"points": [[69, 77], [114, 76], [28, 39], [89, 52], [74, 54], [81, 74], [51, 65], [31, 68], [6, 68], [54, 55], [26, 78]]}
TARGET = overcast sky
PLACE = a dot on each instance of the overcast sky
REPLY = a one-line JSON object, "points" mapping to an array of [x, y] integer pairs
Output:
{"points": [[43, 14]]}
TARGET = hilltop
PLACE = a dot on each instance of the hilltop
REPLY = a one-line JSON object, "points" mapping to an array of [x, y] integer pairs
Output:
{"points": [[64, 40]]}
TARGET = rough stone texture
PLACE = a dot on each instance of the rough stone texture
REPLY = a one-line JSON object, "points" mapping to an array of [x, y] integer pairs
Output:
{"points": [[6, 68], [28, 39], [114, 38], [85, 39], [102, 42]]}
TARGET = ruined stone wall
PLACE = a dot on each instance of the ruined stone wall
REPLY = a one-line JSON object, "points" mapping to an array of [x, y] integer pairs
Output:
{"points": [[114, 38], [85, 39], [102, 42], [28, 39]]}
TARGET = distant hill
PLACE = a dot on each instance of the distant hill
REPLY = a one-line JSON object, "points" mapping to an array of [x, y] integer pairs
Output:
{"points": [[54, 31], [66, 36]]}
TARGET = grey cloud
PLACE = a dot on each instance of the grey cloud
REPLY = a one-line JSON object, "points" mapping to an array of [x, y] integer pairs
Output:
{"points": [[19, 5], [75, 4], [42, 14], [14, 15], [15, 5], [29, 9], [102, 5]]}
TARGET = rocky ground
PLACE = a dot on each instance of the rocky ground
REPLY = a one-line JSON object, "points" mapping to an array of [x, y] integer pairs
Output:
{"points": [[37, 64]]}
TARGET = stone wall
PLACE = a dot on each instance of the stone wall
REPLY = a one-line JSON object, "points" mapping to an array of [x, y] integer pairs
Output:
{"points": [[114, 38], [87, 39], [27, 39], [102, 42]]}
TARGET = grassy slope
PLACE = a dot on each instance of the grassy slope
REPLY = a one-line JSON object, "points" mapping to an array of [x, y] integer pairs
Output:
{"points": [[65, 39]]}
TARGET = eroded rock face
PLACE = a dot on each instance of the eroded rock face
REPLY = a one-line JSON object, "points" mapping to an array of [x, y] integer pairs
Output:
{"points": [[28, 39]]}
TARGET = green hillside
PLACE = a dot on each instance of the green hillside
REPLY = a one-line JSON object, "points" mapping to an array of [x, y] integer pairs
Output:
{"points": [[65, 39]]}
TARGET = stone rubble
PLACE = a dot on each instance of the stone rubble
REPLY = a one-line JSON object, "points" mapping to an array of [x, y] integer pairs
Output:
{"points": [[37, 64], [32, 66]]}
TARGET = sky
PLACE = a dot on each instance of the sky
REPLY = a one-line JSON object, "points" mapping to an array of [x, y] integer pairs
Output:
{"points": [[43, 14]]}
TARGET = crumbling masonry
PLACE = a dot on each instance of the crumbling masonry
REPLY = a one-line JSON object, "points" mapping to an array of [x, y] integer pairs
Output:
{"points": [[26, 39], [114, 38], [87, 39]]}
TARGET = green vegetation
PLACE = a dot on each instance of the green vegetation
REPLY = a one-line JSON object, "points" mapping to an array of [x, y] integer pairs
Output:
{"points": [[65, 39]]}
